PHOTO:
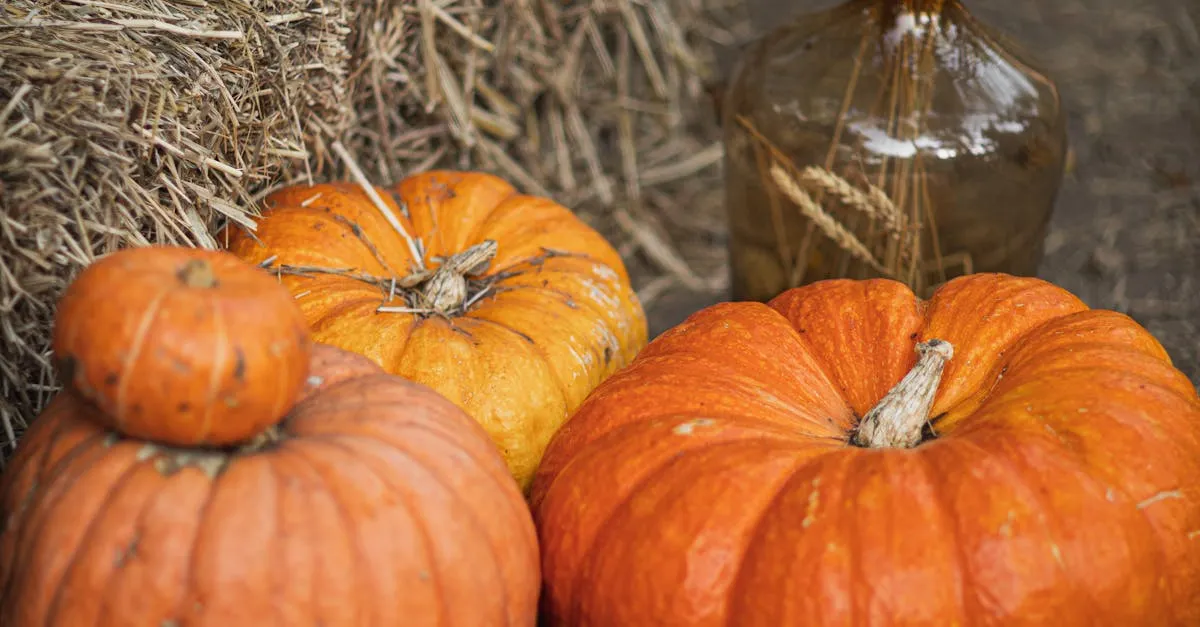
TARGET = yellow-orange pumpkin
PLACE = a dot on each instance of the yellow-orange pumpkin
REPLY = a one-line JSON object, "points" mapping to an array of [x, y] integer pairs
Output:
{"points": [[517, 310], [751, 467], [179, 345]]}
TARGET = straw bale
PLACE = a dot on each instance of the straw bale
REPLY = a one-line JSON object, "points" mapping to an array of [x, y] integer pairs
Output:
{"points": [[138, 121], [125, 123], [599, 103]]}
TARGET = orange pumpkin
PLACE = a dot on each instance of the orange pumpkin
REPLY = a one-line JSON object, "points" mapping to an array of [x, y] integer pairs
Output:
{"points": [[796, 463], [181, 345], [512, 308], [375, 502]]}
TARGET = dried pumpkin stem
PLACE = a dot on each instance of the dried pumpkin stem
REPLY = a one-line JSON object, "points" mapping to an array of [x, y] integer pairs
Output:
{"points": [[898, 420], [169, 460], [451, 289], [445, 292], [197, 273]]}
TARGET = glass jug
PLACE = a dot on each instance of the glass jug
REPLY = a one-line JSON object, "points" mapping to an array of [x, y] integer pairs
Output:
{"points": [[887, 138]]}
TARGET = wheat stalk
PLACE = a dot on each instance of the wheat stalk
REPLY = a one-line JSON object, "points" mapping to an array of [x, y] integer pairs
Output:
{"points": [[832, 229], [873, 202]]}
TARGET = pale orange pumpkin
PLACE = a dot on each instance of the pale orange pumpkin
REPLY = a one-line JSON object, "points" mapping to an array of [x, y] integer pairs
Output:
{"points": [[516, 311], [363, 499], [797, 464], [182, 346]]}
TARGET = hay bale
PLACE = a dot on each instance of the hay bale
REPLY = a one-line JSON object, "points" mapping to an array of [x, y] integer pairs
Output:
{"points": [[160, 121], [599, 103], [142, 122]]}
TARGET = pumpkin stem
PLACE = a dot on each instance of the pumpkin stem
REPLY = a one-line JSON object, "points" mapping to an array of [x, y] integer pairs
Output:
{"points": [[898, 419], [169, 460], [446, 290], [456, 285], [268, 437], [197, 273]]}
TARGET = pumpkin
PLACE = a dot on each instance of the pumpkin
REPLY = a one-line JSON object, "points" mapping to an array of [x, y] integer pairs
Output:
{"points": [[180, 345], [375, 501], [506, 304], [847, 454]]}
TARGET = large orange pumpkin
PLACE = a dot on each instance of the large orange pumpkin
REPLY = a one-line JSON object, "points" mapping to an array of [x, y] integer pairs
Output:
{"points": [[515, 312], [154, 332], [796, 463], [374, 501]]}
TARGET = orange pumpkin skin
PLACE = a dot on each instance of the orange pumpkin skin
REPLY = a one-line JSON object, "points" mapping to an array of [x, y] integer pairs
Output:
{"points": [[182, 346], [377, 503], [522, 356], [712, 482]]}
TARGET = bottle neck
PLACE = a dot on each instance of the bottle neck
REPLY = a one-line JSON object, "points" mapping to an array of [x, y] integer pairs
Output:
{"points": [[901, 18], [917, 6]]}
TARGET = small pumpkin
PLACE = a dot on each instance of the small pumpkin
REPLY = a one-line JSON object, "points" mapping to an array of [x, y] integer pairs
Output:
{"points": [[511, 307], [374, 501], [180, 345], [799, 463]]}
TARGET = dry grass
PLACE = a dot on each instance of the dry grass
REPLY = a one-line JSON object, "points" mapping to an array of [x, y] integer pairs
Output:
{"points": [[600, 104], [129, 123], [136, 121]]}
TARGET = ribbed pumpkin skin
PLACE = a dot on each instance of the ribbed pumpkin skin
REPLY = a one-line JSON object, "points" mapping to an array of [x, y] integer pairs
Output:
{"points": [[523, 356], [711, 483], [180, 345], [383, 504]]}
